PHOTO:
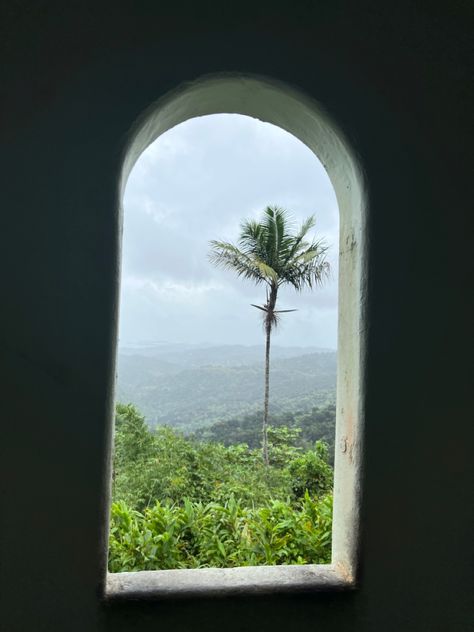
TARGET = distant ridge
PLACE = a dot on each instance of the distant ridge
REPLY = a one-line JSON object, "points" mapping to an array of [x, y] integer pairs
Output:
{"points": [[245, 353], [193, 386]]}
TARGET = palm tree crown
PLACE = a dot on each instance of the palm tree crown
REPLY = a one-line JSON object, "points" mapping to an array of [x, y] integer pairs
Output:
{"points": [[269, 252]]}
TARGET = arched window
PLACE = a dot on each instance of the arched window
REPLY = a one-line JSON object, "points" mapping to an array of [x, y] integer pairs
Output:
{"points": [[282, 106]]}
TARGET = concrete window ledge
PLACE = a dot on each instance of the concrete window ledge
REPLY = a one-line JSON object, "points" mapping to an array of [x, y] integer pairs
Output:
{"points": [[223, 582]]}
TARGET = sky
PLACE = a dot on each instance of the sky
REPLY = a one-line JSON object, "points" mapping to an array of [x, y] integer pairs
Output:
{"points": [[195, 183]]}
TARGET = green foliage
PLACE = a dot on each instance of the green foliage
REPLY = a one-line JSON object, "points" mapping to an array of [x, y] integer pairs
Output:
{"points": [[310, 472], [197, 535], [133, 456], [181, 503], [281, 446], [313, 425]]}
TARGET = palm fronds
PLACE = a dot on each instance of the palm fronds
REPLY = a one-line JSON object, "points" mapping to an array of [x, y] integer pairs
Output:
{"points": [[269, 252]]}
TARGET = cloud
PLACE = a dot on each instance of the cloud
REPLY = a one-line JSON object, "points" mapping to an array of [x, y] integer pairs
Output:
{"points": [[197, 182]]}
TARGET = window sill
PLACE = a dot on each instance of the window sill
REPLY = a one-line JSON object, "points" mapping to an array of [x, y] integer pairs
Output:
{"points": [[223, 582]]}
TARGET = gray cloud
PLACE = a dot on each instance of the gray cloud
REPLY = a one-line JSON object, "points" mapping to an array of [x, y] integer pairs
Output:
{"points": [[195, 183]]}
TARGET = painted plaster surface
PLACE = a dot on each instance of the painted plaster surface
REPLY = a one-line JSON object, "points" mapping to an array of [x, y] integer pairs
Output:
{"points": [[77, 80]]}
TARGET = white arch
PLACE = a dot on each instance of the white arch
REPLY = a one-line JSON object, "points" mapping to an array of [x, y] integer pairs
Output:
{"points": [[282, 105]]}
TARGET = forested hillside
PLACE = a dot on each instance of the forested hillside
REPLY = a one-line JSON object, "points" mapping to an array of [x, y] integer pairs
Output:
{"points": [[182, 503], [317, 424], [192, 388], [190, 486]]}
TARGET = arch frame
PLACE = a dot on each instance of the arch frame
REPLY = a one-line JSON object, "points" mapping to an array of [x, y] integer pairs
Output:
{"points": [[287, 107]]}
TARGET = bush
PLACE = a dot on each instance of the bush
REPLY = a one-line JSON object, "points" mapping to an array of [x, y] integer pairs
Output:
{"points": [[179, 503], [311, 472], [197, 535]]}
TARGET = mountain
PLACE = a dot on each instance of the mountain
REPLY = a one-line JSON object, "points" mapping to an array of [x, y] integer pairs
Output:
{"points": [[318, 423], [189, 356], [196, 386]]}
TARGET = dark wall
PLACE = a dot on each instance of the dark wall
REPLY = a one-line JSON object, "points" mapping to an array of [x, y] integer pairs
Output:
{"points": [[397, 79]]}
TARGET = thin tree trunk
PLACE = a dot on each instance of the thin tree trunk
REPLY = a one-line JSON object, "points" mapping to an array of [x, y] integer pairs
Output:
{"points": [[269, 323], [268, 329]]}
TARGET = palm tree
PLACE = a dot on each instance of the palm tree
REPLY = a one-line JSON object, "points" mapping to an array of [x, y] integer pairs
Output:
{"points": [[269, 253]]}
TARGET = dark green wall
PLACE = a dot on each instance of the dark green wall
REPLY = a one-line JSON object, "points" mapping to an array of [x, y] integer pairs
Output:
{"points": [[74, 78]]}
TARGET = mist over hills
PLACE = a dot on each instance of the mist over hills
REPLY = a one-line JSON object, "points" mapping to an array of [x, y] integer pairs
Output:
{"points": [[189, 356], [194, 386]]}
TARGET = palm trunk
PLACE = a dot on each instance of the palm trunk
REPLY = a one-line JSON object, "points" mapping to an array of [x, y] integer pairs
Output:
{"points": [[269, 322], [267, 394]]}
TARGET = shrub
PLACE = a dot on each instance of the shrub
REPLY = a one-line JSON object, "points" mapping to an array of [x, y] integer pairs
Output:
{"points": [[197, 535]]}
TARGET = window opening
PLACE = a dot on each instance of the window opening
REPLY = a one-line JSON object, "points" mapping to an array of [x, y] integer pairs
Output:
{"points": [[139, 445], [198, 480]]}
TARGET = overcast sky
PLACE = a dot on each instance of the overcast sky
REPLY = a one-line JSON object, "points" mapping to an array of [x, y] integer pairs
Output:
{"points": [[196, 183]]}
